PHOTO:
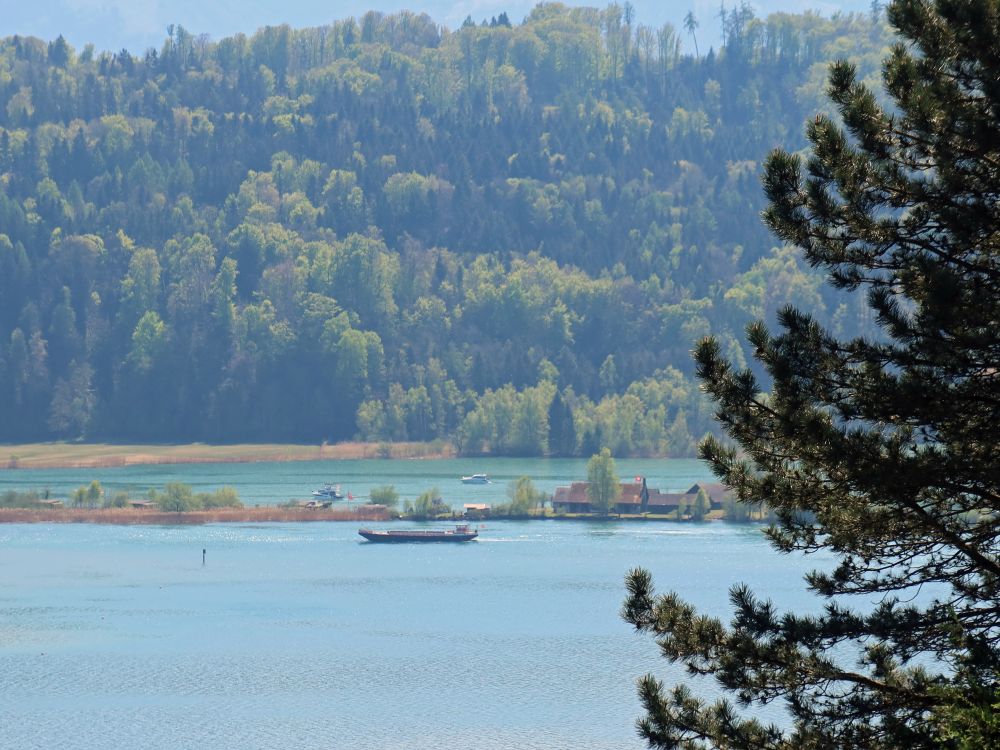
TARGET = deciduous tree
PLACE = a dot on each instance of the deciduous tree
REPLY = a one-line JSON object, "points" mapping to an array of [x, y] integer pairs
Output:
{"points": [[603, 488], [524, 497], [385, 495]]}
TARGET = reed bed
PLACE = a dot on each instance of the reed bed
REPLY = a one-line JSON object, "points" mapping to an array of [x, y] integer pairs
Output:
{"points": [[108, 455], [133, 516]]}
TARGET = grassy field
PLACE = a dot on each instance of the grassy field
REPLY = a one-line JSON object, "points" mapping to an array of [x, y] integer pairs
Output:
{"points": [[99, 455]]}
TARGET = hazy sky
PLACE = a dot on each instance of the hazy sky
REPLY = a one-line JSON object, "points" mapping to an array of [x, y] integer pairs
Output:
{"points": [[138, 24]]}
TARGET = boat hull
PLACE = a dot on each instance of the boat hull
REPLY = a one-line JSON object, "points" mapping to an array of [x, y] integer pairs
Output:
{"points": [[328, 492], [476, 479], [397, 537]]}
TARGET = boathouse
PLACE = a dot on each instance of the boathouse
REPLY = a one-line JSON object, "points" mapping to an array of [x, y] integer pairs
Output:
{"points": [[637, 498], [716, 491], [49, 503]]}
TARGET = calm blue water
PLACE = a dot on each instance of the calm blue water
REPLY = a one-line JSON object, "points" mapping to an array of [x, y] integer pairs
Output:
{"points": [[305, 636], [271, 483]]}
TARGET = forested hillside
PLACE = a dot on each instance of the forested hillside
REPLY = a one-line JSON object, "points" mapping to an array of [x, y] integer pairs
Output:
{"points": [[507, 236]]}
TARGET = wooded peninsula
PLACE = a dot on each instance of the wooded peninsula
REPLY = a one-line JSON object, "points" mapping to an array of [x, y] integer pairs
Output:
{"points": [[504, 236]]}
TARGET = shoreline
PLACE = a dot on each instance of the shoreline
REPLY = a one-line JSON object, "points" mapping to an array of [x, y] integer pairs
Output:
{"points": [[114, 455], [134, 517], [110, 455], [278, 514]]}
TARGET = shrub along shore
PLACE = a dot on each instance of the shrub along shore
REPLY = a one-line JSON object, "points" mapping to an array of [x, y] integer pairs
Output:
{"points": [[177, 503], [268, 514]]}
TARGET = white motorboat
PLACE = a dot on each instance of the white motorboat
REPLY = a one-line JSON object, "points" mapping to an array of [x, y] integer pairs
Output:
{"points": [[476, 479]]}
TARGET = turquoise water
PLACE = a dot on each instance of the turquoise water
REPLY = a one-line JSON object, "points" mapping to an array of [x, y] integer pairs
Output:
{"points": [[305, 636], [271, 483]]}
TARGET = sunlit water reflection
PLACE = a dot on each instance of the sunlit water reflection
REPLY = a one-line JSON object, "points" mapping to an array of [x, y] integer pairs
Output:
{"points": [[305, 636]]}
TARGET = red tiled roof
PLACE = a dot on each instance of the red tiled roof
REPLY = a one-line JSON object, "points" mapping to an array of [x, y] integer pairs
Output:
{"points": [[575, 493]]}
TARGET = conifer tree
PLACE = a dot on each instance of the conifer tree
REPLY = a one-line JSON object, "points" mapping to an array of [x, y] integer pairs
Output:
{"points": [[880, 451], [562, 433]]}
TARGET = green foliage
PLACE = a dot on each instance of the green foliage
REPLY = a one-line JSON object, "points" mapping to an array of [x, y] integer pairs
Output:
{"points": [[385, 495], [88, 495], [968, 715], [224, 497], [702, 504], [119, 500], [877, 451], [603, 486], [508, 422], [178, 497], [735, 510], [16, 499], [73, 402], [94, 493], [524, 497], [682, 510], [562, 430], [384, 229], [175, 498], [428, 505]]}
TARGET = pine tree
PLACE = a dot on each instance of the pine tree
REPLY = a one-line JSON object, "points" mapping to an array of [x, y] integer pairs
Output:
{"points": [[881, 451], [562, 432]]}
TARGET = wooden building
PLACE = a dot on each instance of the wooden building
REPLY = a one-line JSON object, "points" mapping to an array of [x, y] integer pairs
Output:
{"points": [[637, 498]]}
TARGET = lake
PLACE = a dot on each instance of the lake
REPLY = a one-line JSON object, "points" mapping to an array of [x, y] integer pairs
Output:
{"points": [[305, 636], [271, 483]]}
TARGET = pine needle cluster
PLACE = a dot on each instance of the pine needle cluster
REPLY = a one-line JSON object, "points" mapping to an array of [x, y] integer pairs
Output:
{"points": [[882, 450]]}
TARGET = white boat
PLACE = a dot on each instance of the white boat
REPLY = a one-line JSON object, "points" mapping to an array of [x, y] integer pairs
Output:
{"points": [[329, 492], [476, 479]]}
